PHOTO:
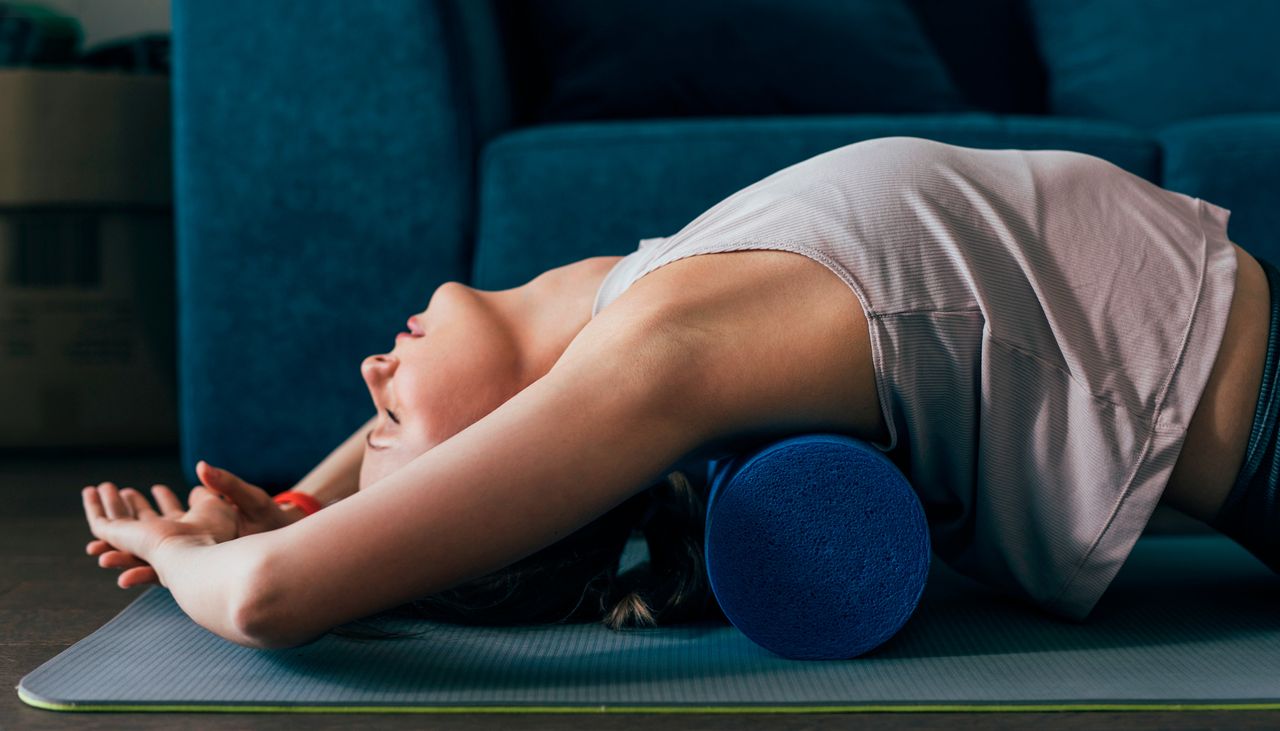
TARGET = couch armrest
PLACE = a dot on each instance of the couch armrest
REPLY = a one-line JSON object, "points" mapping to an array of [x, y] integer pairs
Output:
{"points": [[324, 160]]}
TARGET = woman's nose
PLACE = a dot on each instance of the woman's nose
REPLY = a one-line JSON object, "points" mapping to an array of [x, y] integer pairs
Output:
{"points": [[377, 368]]}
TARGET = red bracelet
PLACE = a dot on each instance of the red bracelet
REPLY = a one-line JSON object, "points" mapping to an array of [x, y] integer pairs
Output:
{"points": [[304, 502]]}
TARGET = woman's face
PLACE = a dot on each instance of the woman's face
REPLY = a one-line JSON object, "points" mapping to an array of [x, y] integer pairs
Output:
{"points": [[465, 363]]}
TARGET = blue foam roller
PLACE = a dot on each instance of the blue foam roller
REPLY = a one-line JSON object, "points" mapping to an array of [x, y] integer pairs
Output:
{"points": [[817, 546]]}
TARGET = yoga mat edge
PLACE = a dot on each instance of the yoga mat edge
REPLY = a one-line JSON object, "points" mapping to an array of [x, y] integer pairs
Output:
{"points": [[868, 708]]}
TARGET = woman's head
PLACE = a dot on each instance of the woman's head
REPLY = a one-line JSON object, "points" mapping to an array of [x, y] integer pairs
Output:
{"points": [[463, 360], [469, 352]]}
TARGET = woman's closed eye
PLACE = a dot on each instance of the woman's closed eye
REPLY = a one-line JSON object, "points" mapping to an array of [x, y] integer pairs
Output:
{"points": [[393, 416]]}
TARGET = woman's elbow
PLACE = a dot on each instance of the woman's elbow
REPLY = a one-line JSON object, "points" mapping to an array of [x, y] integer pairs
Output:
{"points": [[265, 637], [251, 627], [260, 617]]}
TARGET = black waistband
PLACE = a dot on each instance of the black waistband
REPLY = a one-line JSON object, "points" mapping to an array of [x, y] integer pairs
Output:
{"points": [[1251, 512]]}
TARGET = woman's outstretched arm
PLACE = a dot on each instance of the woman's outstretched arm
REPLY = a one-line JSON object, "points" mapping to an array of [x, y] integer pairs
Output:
{"points": [[334, 478], [604, 423]]}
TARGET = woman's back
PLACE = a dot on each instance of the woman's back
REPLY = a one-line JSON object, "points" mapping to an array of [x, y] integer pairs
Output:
{"points": [[1041, 325]]}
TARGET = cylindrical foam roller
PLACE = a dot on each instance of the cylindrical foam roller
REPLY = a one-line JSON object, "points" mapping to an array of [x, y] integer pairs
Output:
{"points": [[817, 546]]}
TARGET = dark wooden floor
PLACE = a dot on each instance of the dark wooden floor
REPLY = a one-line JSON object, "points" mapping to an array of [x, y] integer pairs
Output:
{"points": [[52, 594]]}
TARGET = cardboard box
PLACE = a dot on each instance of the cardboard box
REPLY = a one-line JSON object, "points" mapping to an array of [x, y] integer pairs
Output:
{"points": [[85, 138], [87, 329], [87, 300]]}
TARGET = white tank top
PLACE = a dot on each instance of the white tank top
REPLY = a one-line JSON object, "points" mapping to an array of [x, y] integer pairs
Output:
{"points": [[1042, 324]]}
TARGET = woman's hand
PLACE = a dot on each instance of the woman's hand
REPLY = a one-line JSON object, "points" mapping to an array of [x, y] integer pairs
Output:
{"points": [[129, 530], [258, 512], [254, 512]]}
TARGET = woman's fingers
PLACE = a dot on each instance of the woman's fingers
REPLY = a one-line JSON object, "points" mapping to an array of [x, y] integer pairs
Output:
{"points": [[137, 503], [93, 508], [210, 479], [220, 481], [170, 505], [200, 494], [97, 547], [120, 560], [112, 502], [137, 576]]}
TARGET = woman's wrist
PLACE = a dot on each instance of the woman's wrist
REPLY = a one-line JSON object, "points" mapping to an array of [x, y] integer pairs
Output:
{"points": [[292, 513], [212, 582], [174, 550]]}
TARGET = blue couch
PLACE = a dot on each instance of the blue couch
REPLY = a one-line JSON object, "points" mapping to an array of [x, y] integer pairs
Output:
{"points": [[336, 161]]}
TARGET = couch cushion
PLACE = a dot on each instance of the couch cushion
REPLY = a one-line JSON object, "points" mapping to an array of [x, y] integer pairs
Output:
{"points": [[555, 194], [1151, 62], [1232, 161], [584, 59], [987, 48], [321, 193]]}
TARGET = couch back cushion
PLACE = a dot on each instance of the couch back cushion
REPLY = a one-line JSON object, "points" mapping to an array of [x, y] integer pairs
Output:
{"points": [[586, 59], [988, 49], [1151, 62]]}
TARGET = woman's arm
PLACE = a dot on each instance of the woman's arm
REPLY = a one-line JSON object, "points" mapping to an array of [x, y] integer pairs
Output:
{"points": [[212, 589], [210, 584], [336, 477], [212, 581], [604, 423]]}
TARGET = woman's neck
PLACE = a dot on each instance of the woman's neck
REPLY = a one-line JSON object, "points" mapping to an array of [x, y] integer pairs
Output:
{"points": [[557, 306]]}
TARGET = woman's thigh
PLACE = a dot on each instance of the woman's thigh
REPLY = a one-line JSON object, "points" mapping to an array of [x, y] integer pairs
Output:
{"points": [[1218, 433]]}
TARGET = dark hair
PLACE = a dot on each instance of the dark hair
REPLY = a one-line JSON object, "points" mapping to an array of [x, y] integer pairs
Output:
{"points": [[577, 579]]}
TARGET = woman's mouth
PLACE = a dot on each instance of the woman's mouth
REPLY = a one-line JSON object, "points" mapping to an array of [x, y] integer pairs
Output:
{"points": [[415, 330]]}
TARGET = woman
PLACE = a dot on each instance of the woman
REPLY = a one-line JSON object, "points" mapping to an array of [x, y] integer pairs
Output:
{"points": [[1047, 343]]}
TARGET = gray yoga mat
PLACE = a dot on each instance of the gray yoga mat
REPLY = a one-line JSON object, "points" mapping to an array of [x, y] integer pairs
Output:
{"points": [[1191, 622]]}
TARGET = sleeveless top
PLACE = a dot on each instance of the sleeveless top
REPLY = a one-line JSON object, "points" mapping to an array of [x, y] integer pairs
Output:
{"points": [[1042, 326]]}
